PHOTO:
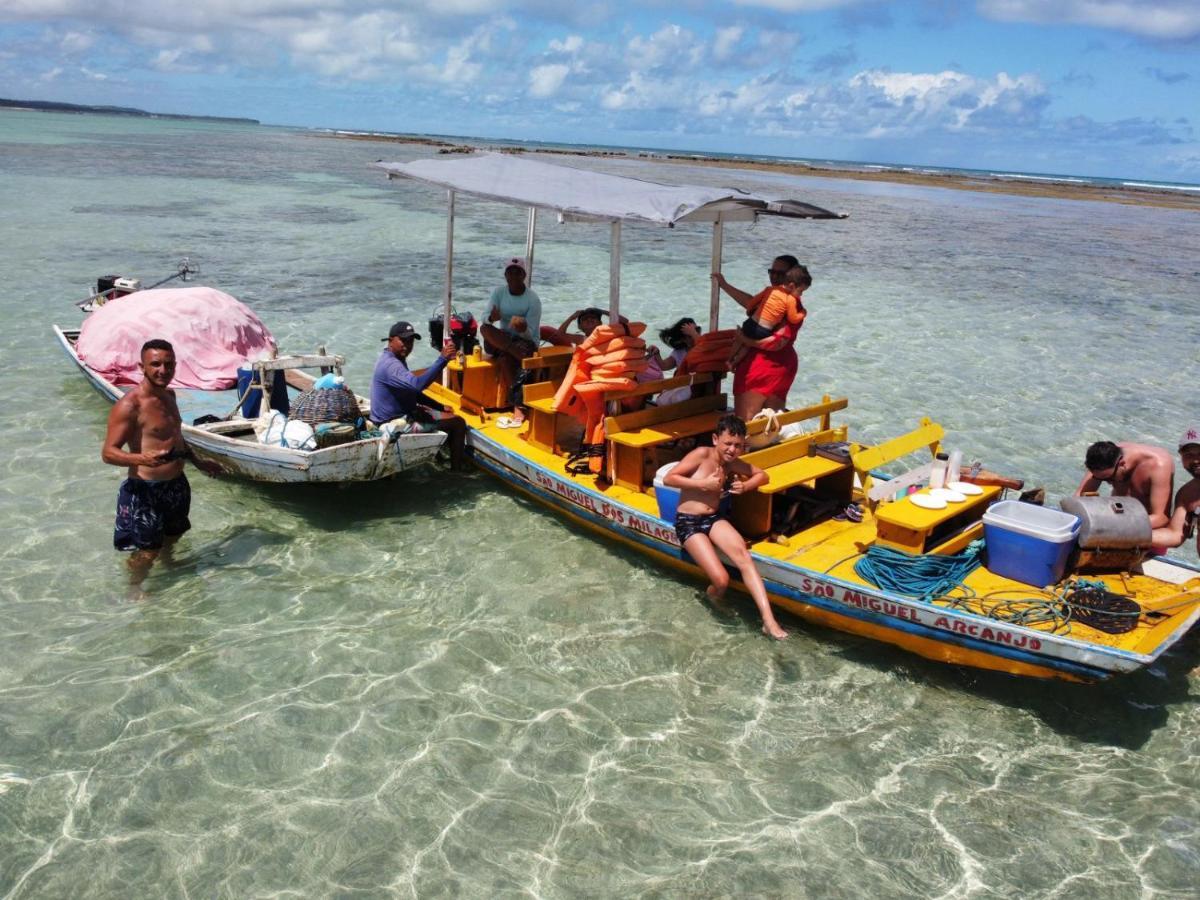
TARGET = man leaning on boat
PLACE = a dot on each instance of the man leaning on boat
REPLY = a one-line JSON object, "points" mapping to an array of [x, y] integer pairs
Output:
{"points": [[1141, 471], [396, 391], [154, 500]]}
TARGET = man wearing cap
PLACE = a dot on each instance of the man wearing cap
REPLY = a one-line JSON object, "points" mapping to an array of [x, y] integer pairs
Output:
{"points": [[396, 391], [1187, 502], [1141, 471], [516, 311]]}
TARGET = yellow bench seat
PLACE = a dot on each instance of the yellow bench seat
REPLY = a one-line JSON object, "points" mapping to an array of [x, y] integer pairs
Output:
{"points": [[650, 435], [798, 471]]}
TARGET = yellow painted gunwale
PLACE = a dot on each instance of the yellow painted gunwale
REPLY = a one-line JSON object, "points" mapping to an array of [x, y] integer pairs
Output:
{"points": [[830, 547]]}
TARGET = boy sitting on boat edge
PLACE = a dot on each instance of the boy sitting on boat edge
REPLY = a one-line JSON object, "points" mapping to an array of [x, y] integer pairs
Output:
{"points": [[705, 477]]}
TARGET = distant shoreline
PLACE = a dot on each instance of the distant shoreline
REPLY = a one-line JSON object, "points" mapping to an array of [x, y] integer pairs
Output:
{"points": [[1011, 185], [83, 109]]}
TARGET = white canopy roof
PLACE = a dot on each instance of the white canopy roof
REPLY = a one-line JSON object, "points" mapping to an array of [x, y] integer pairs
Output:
{"points": [[581, 195]]}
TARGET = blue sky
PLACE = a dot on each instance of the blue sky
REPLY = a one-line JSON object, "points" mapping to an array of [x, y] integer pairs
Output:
{"points": [[1092, 87]]}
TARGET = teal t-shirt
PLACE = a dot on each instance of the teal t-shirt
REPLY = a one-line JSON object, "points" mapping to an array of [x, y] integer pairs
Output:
{"points": [[528, 305]]}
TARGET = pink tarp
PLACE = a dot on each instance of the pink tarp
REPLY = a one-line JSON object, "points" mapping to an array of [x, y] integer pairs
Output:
{"points": [[212, 334]]}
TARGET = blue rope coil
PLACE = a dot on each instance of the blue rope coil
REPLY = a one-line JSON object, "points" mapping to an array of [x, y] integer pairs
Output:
{"points": [[925, 577]]}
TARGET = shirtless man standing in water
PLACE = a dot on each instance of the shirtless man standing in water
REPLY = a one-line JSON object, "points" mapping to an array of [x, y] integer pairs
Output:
{"points": [[154, 499], [703, 477], [1141, 471]]}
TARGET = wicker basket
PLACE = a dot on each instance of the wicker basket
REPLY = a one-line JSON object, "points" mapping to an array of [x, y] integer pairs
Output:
{"points": [[326, 405]]}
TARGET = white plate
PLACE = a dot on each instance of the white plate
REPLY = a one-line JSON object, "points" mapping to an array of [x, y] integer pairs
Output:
{"points": [[965, 487], [948, 495], [927, 501]]}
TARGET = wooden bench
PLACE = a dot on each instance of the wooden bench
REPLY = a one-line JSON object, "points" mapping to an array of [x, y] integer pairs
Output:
{"points": [[543, 418], [478, 382], [543, 423], [790, 464], [905, 526], [631, 434], [867, 459], [553, 359], [902, 524]]}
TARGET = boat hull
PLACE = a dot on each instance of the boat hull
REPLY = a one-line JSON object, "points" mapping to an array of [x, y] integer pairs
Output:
{"points": [[367, 460], [936, 632]]}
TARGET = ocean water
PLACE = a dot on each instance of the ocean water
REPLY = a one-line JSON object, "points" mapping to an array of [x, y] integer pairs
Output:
{"points": [[432, 687]]}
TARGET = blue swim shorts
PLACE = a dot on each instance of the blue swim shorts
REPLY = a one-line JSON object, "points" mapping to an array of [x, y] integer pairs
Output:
{"points": [[148, 511]]}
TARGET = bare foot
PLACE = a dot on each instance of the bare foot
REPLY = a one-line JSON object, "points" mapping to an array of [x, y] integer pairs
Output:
{"points": [[774, 631], [714, 593]]}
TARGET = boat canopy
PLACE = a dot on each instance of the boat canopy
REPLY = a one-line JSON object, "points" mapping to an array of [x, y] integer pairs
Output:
{"points": [[584, 196]]}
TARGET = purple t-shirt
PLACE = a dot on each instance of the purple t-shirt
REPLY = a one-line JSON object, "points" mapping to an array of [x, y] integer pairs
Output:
{"points": [[395, 390]]}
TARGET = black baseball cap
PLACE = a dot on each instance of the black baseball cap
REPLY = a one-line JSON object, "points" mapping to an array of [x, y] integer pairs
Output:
{"points": [[404, 331]]}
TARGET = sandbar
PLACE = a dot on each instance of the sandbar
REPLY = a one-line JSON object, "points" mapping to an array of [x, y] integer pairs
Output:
{"points": [[1006, 184]]}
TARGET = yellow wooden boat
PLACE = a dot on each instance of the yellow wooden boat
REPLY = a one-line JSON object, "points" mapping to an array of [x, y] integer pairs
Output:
{"points": [[814, 568]]}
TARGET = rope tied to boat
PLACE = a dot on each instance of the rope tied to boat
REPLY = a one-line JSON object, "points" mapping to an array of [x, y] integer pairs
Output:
{"points": [[926, 577], [1082, 600], [941, 579]]}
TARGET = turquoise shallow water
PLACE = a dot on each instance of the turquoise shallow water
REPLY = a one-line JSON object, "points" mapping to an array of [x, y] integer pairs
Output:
{"points": [[433, 687]]}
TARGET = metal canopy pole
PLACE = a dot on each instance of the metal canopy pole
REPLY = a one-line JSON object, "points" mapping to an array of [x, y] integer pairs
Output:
{"points": [[447, 300], [714, 299], [529, 245], [614, 274]]}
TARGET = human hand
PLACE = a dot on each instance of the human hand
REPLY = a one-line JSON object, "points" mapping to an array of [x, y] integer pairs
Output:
{"points": [[156, 458], [710, 482], [720, 280], [518, 323], [449, 351], [737, 486]]}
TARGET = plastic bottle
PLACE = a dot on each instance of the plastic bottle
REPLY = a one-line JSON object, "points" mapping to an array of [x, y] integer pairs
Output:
{"points": [[954, 469], [937, 474]]}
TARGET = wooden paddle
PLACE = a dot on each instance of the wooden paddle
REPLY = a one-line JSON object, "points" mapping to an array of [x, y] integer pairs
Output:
{"points": [[983, 476]]}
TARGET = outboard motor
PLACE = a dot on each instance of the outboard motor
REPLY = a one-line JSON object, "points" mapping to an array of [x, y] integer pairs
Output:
{"points": [[109, 287], [1114, 532], [463, 331]]}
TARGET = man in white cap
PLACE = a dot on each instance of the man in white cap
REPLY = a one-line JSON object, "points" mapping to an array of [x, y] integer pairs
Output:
{"points": [[1187, 501], [516, 311]]}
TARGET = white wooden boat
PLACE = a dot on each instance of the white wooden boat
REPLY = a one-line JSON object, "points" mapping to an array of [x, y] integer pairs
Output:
{"points": [[232, 444]]}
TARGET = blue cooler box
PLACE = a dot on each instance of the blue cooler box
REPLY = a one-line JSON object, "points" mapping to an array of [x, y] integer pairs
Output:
{"points": [[667, 497], [1028, 543]]}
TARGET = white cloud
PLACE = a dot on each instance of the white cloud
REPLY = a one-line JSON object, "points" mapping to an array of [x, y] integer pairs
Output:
{"points": [[802, 6], [908, 102], [172, 61], [76, 41], [572, 43], [725, 42], [1161, 19], [544, 81], [671, 47]]}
